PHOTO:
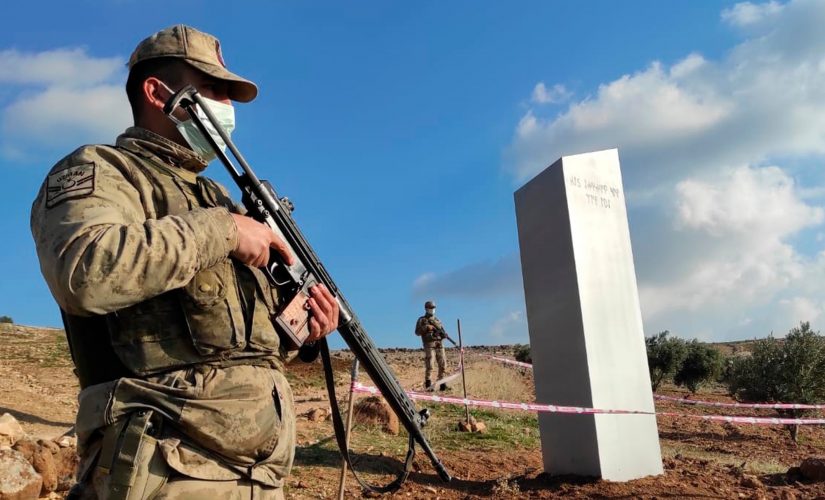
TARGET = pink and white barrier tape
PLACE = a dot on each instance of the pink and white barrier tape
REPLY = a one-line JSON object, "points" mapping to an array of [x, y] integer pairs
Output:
{"points": [[779, 406], [776, 406], [359, 387], [510, 361], [750, 420]]}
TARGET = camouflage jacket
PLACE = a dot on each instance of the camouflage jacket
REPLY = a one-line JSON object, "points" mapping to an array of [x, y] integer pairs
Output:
{"points": [[430, 338], [135, 235]]}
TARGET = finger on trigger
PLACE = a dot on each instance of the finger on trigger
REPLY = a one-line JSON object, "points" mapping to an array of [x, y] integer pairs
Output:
{"points": [[278, 244]]}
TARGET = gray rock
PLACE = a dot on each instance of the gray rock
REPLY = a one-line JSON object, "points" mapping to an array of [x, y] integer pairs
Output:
{"points": [[813, 469], [18, 479], [10, 430]]}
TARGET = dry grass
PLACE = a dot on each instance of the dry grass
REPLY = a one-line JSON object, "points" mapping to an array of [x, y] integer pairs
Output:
{"points": [[753, 466], [505, 488], [495, 381], [43, 347]]}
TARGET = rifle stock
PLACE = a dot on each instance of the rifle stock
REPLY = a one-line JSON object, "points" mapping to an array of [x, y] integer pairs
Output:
{"points": [[264, 205]]}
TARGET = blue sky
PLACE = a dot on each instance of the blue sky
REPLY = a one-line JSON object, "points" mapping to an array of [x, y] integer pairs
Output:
{"points": [[401, 131]]}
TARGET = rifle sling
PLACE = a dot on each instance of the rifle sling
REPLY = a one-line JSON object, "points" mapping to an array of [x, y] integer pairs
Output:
{"points": [[340, 433]]}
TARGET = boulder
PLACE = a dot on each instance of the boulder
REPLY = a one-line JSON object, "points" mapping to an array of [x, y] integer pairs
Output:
{"points": [[10, 430], [56, 465], [66, 462], [26, 447], [18, 479], [374, 410], [472, 426], [813, 469], [49, 444], [480, 427], [67, 441], [43, 463], [318, 414]]}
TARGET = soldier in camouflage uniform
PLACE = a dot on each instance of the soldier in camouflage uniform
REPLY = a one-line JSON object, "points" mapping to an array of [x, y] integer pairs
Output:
{"points": [[166, 312], [432, 332]]}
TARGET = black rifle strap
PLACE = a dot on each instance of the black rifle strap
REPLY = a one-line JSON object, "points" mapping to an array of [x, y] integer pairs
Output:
{"points": [[340, 433]]}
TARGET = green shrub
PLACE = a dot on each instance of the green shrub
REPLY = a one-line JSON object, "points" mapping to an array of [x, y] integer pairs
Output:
{"points": [[791, 371], [727, 368], [523, 353], [6, 319], [664, 356], [701, 364]]}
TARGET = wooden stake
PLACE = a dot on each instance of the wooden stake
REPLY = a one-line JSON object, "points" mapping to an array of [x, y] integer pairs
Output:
{"points": [[348, 427], [461, 363]]}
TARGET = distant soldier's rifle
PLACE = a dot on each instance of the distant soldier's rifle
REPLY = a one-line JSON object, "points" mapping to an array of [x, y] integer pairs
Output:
{"points": [[292, 322], [447, 337], [442, 333]]}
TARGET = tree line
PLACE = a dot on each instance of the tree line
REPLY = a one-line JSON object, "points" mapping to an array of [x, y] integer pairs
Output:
{"points": [[789, 370]]}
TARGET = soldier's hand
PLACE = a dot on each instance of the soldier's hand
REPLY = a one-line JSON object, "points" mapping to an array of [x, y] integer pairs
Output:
{"points": [[324, 309], [430, 328], [255, 240]]}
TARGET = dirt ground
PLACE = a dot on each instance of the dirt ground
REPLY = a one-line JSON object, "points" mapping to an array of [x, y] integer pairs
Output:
{"points": [[702, 459]]}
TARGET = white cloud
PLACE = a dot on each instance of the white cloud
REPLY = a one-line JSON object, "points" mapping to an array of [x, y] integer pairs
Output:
{"points": [[802, 308], [721, 241], [735, 250], [512, 328], [59, 99], [748, 14], [644, 114], [65, 67], [422, 282], [59, 115], [555, 94], [760, 203], [762, 100]]}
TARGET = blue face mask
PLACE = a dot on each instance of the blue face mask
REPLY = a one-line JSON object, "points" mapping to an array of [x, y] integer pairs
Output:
{"points": [[224, 114]]}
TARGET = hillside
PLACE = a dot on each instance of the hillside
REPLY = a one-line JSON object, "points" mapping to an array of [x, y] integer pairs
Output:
{"points": [[702, 459]]}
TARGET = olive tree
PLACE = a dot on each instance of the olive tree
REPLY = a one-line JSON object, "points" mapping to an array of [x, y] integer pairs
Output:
{"points": [[664, 356], [701, 364], [789, 370]]}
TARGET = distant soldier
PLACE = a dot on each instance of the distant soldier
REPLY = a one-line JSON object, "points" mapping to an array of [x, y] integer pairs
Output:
{"points": [[432, 332]]}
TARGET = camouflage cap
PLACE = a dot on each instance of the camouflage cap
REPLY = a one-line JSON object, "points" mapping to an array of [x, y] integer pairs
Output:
{"points": [[200, 50]]}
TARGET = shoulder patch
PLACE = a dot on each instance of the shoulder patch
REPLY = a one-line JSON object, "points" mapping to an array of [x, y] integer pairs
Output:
{"points": [[76, 181]]}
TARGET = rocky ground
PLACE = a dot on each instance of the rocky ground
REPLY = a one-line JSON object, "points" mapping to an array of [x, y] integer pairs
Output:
{"points": [[702, 459]]}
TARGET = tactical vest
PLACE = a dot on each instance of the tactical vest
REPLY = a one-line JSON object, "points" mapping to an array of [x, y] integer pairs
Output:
{"points": [[222, 316], [429, 338]]}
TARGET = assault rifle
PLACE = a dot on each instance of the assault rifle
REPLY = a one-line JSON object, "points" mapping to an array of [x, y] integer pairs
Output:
{"points": [[443, 334], [440, 331], [292, 322]]}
